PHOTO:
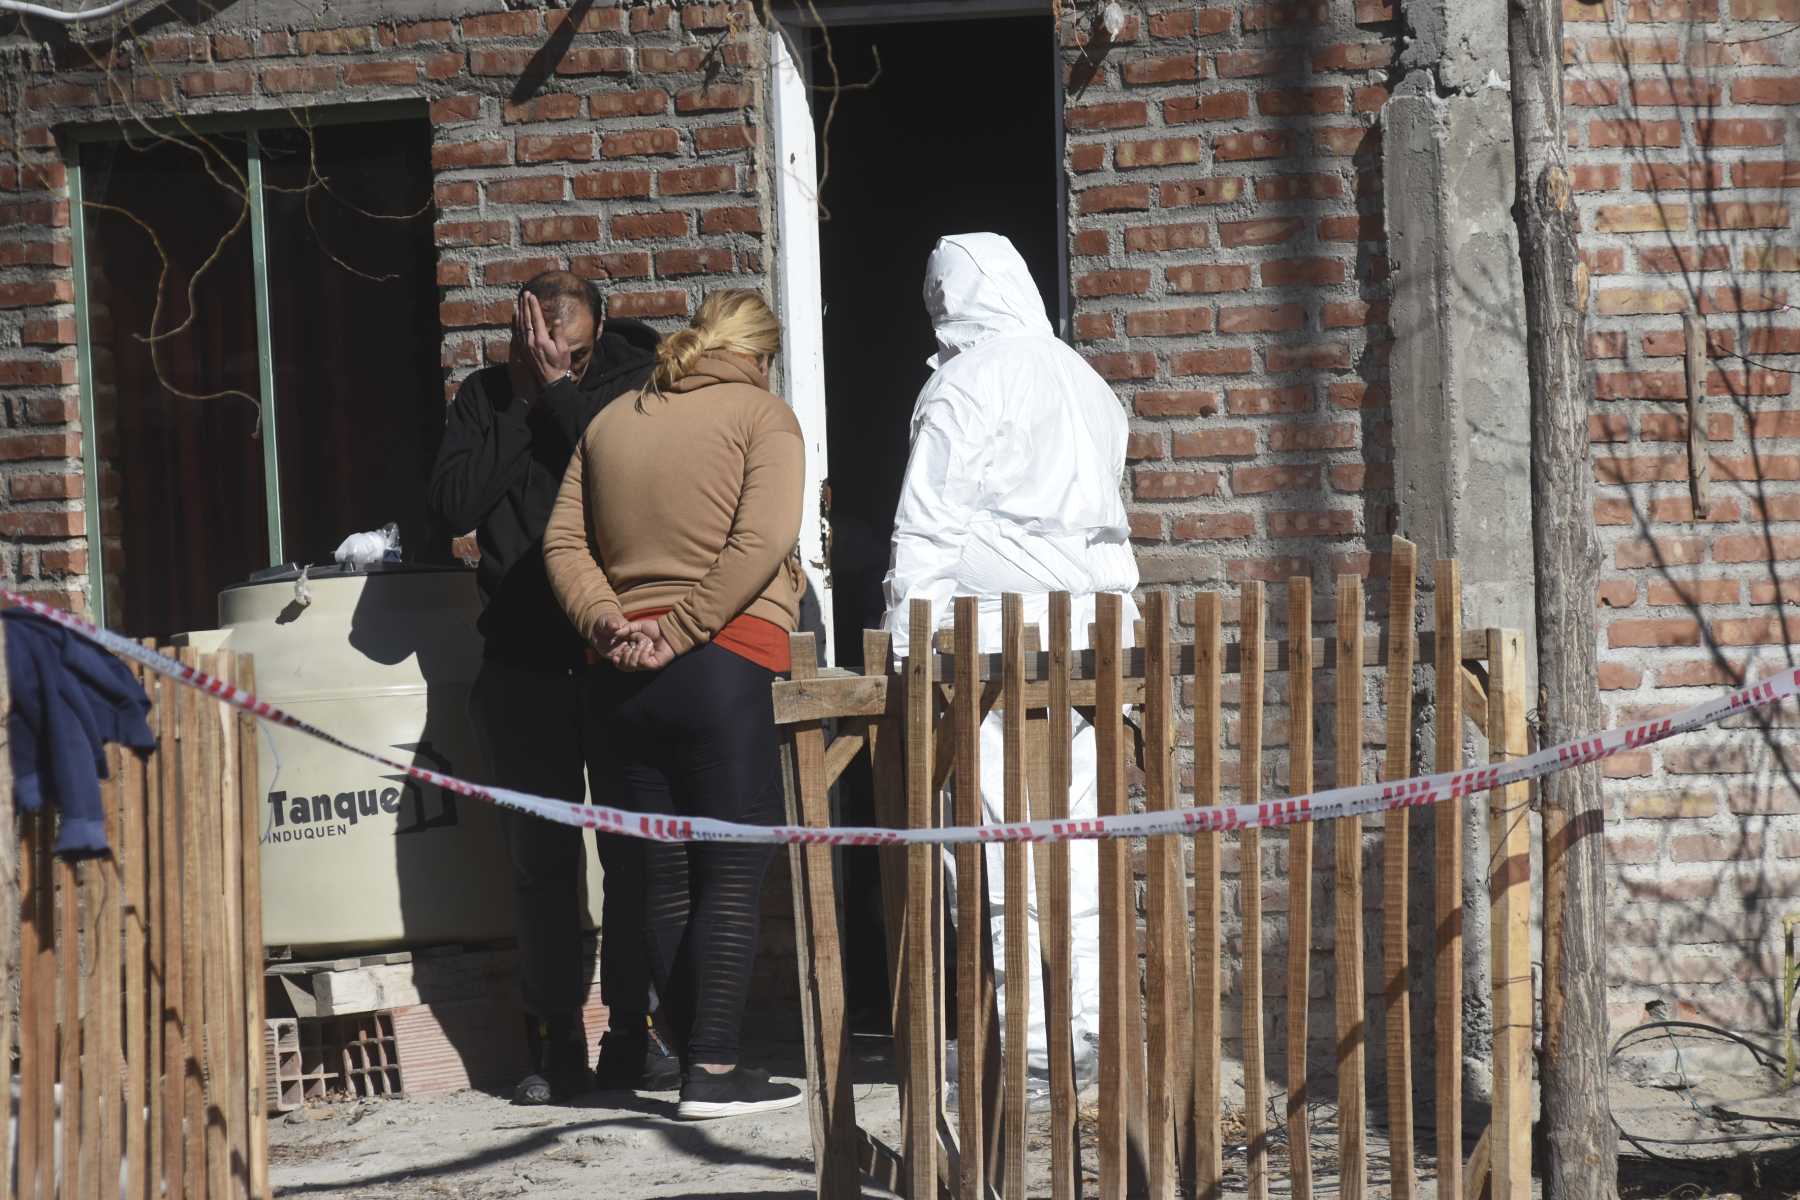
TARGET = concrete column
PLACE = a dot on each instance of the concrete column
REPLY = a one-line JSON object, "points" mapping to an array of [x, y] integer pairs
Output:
{"points": [[1461, 400]]}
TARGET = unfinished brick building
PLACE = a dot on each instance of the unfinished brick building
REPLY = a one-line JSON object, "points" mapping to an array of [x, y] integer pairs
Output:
{"points": [[1282, 230]]}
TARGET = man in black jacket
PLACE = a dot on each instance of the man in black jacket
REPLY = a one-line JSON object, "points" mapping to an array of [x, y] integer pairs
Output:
{"points": [[507, 438]]}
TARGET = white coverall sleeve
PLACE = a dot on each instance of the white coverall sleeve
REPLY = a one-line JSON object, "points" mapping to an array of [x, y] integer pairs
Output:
{"points": [[940, 496]]}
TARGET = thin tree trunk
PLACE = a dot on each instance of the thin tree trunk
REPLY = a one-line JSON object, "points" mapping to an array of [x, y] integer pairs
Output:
{"points": [[1581, 1154]]}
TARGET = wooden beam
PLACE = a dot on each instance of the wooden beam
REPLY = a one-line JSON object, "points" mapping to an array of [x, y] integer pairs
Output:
{"points": [[1250, 723], [1510, 892], [1053, 917], [1162, 864], [1447, 835], [1396, 867], [1300, 882], [1118, 966], [1474, 700], [887, 766], [832, 1102], [971, 929], [1209, 1169], [1346, 839], [843, 751], [1014, 884], [921, 917]]}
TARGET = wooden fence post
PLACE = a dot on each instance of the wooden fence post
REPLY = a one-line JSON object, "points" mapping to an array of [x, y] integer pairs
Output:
{"points": [[1209, 1170], [1300, 881], [1347, 899], [1447, 838], [1396, 863], [1250, 724], [1510, 883], [922, 870]]}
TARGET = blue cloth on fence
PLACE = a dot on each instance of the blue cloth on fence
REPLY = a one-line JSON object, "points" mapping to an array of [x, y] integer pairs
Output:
{"points": [[69, 698]]}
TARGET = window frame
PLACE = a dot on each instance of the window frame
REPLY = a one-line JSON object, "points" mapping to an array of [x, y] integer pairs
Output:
{"points": [[250, 124]]}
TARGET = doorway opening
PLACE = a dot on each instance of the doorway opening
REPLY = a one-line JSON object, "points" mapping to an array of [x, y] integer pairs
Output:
{"points": [[958, 130]]}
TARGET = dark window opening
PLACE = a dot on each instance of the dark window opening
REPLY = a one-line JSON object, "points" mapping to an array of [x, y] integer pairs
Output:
{"points": [[959, 134], [352, 295]]}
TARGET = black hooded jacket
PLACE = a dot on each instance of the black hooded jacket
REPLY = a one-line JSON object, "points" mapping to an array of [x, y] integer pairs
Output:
{"points": [[497, 473]]}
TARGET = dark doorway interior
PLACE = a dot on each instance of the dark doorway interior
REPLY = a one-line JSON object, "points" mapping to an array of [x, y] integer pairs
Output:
{"points": [[958, 133]]}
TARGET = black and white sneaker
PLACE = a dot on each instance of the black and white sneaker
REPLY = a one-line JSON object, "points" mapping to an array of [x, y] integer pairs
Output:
{"points": [[734, 1093]]}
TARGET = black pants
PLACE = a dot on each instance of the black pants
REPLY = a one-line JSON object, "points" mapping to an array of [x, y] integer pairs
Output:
{"points": [[534, 737], [696, 739]]}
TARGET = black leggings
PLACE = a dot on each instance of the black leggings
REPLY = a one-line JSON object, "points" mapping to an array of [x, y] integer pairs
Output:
{"points": [[696, 739]]}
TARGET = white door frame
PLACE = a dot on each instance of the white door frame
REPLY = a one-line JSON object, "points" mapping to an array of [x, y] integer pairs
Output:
{"points": [[798, 297]]}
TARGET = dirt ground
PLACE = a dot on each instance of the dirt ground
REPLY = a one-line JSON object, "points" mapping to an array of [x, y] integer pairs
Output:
{"points": [[473, 1146]]}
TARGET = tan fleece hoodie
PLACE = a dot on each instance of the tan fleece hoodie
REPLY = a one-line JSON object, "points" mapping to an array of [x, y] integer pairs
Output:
{"points": [[690, 501]]}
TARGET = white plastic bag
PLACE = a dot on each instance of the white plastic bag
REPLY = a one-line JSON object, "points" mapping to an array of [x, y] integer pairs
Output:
{"points": [[367, 549]]}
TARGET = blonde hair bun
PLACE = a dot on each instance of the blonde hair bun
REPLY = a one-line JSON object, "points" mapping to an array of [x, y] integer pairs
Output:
{"points": [[734, 321]]}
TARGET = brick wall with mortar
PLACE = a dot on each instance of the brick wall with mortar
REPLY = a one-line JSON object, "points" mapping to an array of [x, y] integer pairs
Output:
{"points": [[1685, 135], [632, 160], [1228, 274], [1229, 277]]}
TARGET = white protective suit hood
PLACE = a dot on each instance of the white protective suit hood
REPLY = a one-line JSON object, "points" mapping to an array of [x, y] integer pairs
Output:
{"points": [[976, 287], [1018, 452]]}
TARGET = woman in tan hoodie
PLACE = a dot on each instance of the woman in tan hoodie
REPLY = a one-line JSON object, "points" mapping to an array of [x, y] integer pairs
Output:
{"points": [[672, 550]]}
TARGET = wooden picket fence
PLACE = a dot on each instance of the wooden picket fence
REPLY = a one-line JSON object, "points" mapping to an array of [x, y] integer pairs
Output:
{"points": [[1161, 1107], [140, 1056]]}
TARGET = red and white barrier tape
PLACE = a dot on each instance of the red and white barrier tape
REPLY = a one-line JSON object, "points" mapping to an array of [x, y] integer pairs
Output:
{"points": [[1317, 806]]}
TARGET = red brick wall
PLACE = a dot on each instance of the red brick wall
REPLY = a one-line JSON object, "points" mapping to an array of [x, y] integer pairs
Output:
{"points": [[1686, 140], [632, 163], [1229, 274], [1229, 277]]}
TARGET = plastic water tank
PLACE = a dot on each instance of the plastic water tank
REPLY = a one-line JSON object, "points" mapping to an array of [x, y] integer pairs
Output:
{"points": [[354, 856]]}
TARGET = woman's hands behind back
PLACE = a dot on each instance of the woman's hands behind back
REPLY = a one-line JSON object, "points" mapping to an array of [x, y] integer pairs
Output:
{"points": [[640, 646]]}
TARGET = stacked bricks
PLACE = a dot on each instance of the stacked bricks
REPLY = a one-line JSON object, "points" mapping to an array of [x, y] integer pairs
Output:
{"points": [[1685, 143]]}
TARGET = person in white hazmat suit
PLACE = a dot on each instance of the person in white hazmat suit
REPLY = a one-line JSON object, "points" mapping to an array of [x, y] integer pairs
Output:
{"points": [[1013, 485]]}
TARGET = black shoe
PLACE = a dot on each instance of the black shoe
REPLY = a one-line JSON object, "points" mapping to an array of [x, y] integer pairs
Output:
{"points": [[558, 1049], [635, 1062], [706, 1096]]}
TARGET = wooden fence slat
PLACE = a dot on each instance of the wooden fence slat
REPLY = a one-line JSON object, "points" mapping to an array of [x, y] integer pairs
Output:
{"points": [[1053, 918], [35, 1046], [971, 930], [132, 856], [168, 1055], [107, 976], [232, 816], [831, 1102], [1300, 867], [250, 786], [1209, 1169], [1014, 917], [216, 956], [1161, 867], [1447, 835], [1250, 718], [1347, 899], [91, 997], [1117, 963], [921, 902], [887, 764], [188, 799], [68, 1023], [1396, 865], [1510, 881]]}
